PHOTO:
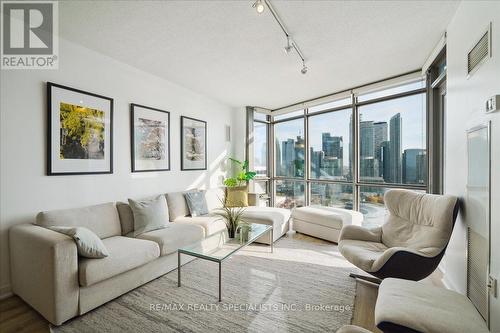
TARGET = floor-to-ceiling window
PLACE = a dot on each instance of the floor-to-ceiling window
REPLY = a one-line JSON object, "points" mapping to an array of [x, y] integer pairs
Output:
{"points": [[289, 161], [260, 146], [347, 152]]}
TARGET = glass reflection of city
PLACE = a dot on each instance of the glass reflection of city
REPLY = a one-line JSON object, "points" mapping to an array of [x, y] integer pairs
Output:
{"points": [[381, 160]]}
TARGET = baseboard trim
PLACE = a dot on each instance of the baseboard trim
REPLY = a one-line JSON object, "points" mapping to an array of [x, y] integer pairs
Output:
{"points": [[5, 292]]}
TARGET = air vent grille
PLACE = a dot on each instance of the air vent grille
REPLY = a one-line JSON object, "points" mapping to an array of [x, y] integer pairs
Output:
{"points": [[477, 271], [479, 52]]}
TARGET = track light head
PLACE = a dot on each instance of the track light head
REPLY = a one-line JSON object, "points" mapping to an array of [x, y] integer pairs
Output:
{"points": [[288, 47], [304, 68], [259, 6]]}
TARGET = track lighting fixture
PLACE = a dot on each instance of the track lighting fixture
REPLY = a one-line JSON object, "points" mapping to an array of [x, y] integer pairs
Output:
{"points": [[288, 47], [291, 45], [259, 6], [304, 68]]}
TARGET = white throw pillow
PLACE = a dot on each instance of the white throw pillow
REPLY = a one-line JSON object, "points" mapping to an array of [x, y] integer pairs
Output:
{"points": [[87, 243], [149, 214]]}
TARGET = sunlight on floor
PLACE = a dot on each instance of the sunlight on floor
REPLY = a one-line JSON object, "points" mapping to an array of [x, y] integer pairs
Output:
{"points": [[329, 255]]}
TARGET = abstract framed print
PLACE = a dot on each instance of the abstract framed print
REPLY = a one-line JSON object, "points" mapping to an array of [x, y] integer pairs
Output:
{"points": [[150, 131], [80, 132], [193, 144]]}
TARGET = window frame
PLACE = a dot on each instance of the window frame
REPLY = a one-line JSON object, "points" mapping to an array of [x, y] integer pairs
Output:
{"points": [[355, 182]]}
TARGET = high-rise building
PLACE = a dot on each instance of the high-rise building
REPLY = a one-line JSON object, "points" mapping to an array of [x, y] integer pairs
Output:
{"points": [[316, 162], [422, 167], [299, 156], [277, 154], [380, 136], [367, 149], [333, 149], [414, 166], [395, 129], [385, 163], [367, 137], [288, 157]]}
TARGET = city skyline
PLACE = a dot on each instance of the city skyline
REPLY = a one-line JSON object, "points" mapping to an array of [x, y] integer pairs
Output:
{"points": [[381, 157], [337, 124]]}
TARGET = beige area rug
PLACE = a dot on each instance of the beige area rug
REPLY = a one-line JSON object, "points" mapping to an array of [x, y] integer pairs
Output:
{"points": [[302, 287]]}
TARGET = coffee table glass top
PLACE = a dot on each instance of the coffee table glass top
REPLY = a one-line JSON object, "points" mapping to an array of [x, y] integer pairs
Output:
{"points": [[219, 246]]}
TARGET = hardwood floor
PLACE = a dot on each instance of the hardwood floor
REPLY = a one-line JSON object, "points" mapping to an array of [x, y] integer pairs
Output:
{"points": [[364, 305], [17, 316]]}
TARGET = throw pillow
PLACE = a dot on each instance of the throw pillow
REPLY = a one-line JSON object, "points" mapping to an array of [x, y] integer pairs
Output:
{"points": [[149, 214], [87, 243], [197, 203], [237, 196]]}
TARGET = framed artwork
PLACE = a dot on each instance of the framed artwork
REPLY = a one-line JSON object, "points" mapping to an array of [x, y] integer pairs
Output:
{"points": [[80, 132], [150, 131], [193, 144]]}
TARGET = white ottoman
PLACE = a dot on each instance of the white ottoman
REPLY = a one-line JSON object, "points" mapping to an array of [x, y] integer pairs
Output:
{"points": [[323, 222], [277, 217]]}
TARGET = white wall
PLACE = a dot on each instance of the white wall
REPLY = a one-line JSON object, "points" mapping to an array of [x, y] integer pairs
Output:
{"points": [[466, 99], [25, 189]]}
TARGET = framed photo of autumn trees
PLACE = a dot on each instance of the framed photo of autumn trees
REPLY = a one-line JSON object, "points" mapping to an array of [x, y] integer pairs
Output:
{"points": [[150, 138], [80, 132]]}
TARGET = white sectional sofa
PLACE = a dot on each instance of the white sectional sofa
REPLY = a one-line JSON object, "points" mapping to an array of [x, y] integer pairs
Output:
{"points": [[48, 274]]}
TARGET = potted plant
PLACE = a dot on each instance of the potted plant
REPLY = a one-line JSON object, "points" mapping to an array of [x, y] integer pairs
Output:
{"points": [[237, 186], [232, 217]]}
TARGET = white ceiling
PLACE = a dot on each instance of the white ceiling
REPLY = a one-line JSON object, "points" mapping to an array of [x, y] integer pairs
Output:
{"points": [[225, 50]]}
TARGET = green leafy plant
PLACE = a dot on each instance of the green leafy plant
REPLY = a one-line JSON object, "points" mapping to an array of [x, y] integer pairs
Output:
{"points": [[232, 216], [243, 175]]}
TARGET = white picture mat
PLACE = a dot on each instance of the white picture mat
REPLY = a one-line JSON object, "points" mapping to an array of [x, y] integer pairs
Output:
{"points": [[60, 95], [189, 164], [145, 113]]}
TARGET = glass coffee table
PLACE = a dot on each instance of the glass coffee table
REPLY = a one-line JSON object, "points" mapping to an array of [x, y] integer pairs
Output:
{"points": [[218, 247]]}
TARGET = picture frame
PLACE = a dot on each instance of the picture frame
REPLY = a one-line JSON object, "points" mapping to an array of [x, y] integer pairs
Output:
{"points": [[150, 138], [193, 144], [79, 132]]}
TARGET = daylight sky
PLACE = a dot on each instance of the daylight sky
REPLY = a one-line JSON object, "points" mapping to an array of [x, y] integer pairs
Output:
{"points": [[412, 109]]}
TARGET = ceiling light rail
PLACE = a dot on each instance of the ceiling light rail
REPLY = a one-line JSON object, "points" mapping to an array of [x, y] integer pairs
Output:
{"points": [[259, 6]]}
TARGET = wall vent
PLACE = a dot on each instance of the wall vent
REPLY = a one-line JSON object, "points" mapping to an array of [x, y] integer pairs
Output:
{"points": [[480, 52], [477, 271]]}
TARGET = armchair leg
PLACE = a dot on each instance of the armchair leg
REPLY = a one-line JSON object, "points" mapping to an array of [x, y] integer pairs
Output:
{"points": [[366, 278]]}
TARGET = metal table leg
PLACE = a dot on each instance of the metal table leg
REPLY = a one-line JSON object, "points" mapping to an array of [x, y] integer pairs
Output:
{"points": [[220, 281], [178, 269], [272, 238]]}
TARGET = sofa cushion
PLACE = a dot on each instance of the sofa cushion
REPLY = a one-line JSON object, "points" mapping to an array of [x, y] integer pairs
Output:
{"points": [[327, 216], [197, 203], [177, 205], [125, 253], [425, 308], [87, 243], [149, 214], [126, 217], [210, 224], [174, 237], [102, 220]]}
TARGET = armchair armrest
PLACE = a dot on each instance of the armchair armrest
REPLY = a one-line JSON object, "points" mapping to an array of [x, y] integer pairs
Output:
{"points": [[354, 232], [44, 271]]}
